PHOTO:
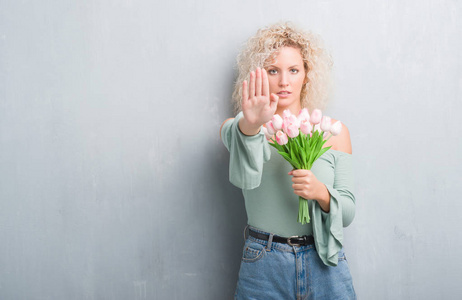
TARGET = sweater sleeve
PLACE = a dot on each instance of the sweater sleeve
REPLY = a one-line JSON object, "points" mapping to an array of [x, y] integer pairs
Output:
{"points": [[328, 227], [247, 154]]}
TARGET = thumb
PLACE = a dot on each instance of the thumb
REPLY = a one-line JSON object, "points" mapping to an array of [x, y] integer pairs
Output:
{"points": [[274, 101]]}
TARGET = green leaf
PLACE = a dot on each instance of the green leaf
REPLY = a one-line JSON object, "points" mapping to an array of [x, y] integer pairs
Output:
{"points": [[297, 140], [303, 154], [313, 139], [323, 150], [278, 147], [315, 135], [303, 139], [287, 157], [313, 151], [293, 156], [310, 160], [318, 144], [298, 150], [307, 145], [275, 145]]}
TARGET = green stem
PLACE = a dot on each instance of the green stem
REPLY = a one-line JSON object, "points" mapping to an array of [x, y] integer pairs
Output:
{"points": [[303, 211]]}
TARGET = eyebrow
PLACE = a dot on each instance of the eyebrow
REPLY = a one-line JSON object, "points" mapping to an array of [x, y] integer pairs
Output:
{"points": [[294, 66]]}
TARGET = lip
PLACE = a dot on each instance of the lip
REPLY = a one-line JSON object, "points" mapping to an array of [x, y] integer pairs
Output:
{"points": [[284, 94]]}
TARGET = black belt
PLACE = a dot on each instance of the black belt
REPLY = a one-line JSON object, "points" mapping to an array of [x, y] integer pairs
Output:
{"points": [[292, 241]]}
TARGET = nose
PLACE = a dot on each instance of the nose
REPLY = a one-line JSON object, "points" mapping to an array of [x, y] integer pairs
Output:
{"points": [[283, 79]]}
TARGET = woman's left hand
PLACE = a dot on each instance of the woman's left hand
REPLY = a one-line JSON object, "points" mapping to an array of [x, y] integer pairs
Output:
{"points": [[306, 185]]}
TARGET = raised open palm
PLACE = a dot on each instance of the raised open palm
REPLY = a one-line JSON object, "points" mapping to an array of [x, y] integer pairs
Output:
{"points": [[258, 105]]}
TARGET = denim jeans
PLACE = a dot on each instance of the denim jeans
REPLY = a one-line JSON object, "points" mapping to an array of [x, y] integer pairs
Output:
{"points": [[279, 271]]}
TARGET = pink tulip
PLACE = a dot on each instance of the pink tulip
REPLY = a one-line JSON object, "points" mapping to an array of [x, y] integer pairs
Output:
{"points": [[336, 128], [292, 131], [325, 123], [277, 122], [267, 135], [317, 127], [303, 115], [295, 121], [281, 138], [270, 128], [316, 116], [305, 127], [291, 120], [286, 113]]}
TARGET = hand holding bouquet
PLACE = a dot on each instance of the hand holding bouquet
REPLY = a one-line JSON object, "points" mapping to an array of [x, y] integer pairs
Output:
{"points": [[300, 140]]}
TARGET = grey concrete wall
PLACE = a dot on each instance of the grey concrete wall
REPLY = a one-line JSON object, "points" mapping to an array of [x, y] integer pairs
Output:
{"points": [[113, 181]]}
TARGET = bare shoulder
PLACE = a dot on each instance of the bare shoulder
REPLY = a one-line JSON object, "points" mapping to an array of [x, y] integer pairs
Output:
{"points": [[342, 142], [224, 124]]}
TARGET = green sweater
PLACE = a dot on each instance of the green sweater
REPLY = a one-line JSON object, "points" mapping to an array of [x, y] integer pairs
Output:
{"points": [[270, 202]]}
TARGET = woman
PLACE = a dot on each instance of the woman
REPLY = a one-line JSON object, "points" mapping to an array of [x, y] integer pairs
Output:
{"points": [[283, 259]]}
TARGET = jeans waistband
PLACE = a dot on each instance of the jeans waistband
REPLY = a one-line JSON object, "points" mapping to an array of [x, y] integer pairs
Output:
{"points": [[270, 244]]}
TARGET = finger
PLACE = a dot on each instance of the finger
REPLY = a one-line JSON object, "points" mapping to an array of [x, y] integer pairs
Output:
{"points": [[300, 180], [258, 82], [265, 83], [245, 92], [252, 85], [298, 187], [300, 172]]}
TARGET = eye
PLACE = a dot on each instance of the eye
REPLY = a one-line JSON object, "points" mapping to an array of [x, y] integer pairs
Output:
{"points": [[272, 71], [294, 71]]}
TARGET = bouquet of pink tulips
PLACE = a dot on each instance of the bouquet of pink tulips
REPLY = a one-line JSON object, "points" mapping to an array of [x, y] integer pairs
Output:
{"points": [[300, 140]]}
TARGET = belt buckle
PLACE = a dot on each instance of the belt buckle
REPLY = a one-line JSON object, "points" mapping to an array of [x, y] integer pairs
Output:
{"points": [[293, 237]]}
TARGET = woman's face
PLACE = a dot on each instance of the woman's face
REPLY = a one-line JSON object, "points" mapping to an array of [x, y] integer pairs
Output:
{"points": [[286, 76]]}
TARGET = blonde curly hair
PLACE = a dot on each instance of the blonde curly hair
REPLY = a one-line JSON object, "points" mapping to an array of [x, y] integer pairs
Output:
{"points": [[262, 49]]}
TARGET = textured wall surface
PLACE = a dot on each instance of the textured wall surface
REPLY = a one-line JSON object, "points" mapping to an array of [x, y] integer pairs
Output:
{"points": [[113, 180]]}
